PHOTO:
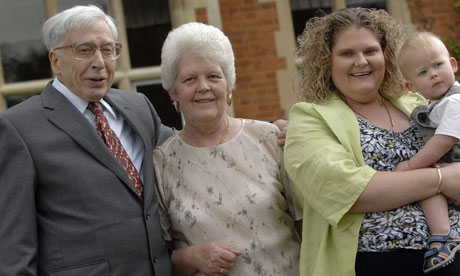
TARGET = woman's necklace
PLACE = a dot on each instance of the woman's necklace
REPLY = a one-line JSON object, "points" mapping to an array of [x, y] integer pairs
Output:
{"points": [[222, 140], [382, 104], [388, 112]]}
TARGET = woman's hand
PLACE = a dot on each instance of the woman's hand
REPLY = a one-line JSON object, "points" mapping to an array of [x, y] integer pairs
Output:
{"points": [[211, 259], [214, 259], [453, 202]]}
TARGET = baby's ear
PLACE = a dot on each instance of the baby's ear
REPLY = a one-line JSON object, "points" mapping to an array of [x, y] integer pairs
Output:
{"points": [[409, 86], [453, 63]]}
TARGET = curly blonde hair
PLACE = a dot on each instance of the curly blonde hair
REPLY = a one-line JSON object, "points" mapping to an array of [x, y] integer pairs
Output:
{"points": [[313, 52]]}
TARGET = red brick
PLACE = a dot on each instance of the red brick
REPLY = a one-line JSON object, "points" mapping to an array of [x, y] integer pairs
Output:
{"points": [[250, 26], [201, 15]]}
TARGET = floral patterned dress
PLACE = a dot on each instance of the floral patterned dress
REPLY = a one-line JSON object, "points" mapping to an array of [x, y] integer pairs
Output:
{"points": [[236, 193], [404, 227]]}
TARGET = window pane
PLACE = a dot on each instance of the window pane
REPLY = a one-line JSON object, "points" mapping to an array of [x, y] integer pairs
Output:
{"points": [[67, 4], [161, 101], [24, 56], [147, 24], [378, 4], [302, 10]]}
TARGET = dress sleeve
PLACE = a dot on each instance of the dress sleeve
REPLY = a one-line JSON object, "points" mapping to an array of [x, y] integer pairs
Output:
{"points": [[325, 163], [162, 193], [295, 209]]}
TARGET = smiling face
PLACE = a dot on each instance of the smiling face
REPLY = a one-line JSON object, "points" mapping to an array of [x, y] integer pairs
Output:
{"points": [[201, 90], [358, 64], [90, 79], [429, 70]]}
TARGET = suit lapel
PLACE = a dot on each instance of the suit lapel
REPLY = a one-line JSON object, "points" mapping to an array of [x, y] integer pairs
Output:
{"points": [[67, 118], [131, 117]]}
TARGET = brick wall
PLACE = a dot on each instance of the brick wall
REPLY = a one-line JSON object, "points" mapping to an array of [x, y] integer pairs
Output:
{"points": [[250, 25], [437, 16], [201, 15]]}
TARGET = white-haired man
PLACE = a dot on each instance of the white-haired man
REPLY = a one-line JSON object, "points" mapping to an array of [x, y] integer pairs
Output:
{"points": [[77, 182]]}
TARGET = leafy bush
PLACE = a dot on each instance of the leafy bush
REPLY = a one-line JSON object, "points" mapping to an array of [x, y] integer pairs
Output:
{"points": [[454, 45]]}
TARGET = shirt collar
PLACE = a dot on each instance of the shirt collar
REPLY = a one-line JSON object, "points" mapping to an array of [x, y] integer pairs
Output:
{"points": [[80, 103]]}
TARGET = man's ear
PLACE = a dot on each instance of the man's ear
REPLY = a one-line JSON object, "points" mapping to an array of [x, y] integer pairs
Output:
{"points": [[54, 58]]}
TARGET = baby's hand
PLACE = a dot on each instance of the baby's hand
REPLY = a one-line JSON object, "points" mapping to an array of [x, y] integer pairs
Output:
{"points": [[403, 166], [453, 202]]}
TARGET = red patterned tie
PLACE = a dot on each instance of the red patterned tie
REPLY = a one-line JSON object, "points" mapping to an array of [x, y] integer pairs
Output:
{"points": [[113, 143]]}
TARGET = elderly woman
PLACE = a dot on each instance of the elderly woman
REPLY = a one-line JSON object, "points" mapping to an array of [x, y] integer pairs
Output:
{"points": [[345, 140], [226, 203]]}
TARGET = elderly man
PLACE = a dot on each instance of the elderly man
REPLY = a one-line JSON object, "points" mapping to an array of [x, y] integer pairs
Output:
{"points": [[76, 175]]}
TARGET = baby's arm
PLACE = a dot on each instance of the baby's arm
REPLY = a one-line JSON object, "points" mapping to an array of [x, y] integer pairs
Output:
{"points": [[434, 149], [435, 208]]}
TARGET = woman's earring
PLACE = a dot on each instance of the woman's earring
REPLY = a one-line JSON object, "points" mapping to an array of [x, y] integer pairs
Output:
{"points": [[176, 106], [229, 98]]}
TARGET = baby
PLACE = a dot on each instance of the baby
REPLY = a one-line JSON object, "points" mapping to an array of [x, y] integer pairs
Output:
{"points": [[429, 70]]}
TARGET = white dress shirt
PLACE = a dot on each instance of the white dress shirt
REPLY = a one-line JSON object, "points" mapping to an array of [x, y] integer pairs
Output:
{"points": [[132, 143]]}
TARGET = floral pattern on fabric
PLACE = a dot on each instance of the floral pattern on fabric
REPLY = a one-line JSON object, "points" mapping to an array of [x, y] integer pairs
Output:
{"points": [[236, 193], [404, 227]]}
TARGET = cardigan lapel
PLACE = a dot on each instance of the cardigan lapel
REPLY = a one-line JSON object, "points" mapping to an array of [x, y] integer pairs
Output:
{"points": [[336, 113]]}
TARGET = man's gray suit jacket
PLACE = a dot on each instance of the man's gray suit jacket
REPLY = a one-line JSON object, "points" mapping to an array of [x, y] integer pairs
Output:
{"points": [[67, 207]]}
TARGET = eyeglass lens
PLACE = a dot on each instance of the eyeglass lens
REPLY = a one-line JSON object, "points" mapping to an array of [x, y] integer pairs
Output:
{"points": [[109, 50]]}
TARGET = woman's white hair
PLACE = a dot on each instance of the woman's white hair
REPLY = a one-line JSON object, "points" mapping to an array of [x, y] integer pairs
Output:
{"points": [[196, 40], [56, 28]]}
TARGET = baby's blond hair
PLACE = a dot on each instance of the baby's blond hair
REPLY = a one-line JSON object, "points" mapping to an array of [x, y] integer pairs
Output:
{"points": [[419, 40]]}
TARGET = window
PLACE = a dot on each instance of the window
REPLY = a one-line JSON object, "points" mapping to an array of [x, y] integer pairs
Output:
{"points": [[302, 10], [161, 101], [378, 4], [67, 4], [23, 54], [147, 24]]}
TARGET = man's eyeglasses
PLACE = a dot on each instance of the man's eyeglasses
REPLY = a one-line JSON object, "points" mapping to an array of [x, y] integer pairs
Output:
{"points": [[85, 49]]}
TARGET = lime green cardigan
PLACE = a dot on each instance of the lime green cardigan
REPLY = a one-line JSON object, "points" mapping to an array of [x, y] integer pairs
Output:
{"points": [[324, 159]]}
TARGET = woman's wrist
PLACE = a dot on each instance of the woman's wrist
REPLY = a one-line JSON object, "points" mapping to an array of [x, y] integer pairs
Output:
{"points": [[438, 170], [182, 261]]}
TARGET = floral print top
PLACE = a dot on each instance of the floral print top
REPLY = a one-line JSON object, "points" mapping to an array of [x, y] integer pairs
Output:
{"points": [[404, 227], [236, 193]]}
